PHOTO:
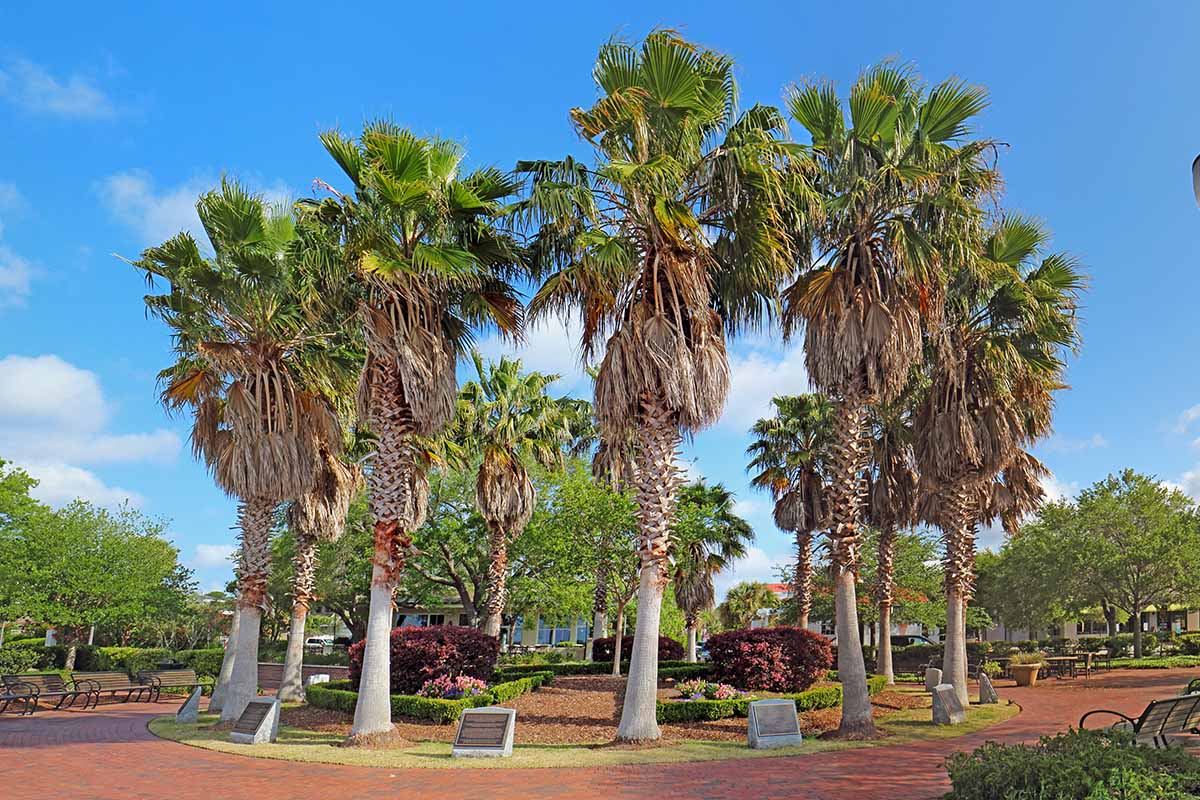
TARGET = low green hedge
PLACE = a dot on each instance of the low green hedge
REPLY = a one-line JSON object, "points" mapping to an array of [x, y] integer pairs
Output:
{"points": [[1167, 662], [707, 710], [206, 663], [338, 696]]}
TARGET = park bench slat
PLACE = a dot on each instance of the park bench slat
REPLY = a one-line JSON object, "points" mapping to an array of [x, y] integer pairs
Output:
{"points": [[48, 685], [111, 683], [159, 679], [1162, 721]]}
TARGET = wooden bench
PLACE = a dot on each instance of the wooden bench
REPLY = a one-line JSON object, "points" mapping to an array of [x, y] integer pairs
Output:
{"points": [[1162, 720], [159, 679], [23, 693], [48, 686], [112, 683]]}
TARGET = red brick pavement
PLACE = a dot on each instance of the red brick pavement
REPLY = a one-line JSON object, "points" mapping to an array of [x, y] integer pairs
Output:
{"points": [[108, 754]]}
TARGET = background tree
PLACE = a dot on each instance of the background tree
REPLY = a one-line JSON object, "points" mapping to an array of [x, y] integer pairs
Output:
{"points": [[668, 243], [876, 201], [254, 367], [788, 459], [424, 261], [743, 603], [706, 538]]}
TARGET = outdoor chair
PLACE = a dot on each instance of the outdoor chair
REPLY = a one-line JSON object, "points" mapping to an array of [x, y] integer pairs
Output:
{"points": [[1163, 722], [159, 679], [21, 693], [112, 684], [49, 686]]}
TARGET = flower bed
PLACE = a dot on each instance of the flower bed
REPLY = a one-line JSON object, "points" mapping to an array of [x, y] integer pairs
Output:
{"points": [[338, 696], [712, 709]]}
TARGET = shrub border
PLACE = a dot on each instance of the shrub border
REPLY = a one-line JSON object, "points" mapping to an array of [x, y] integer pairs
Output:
{"points": [[706, 710], [338, 696], [666, 669]]}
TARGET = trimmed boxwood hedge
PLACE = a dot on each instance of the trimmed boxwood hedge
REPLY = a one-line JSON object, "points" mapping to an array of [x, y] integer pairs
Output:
{"points": [[338, 695], [707, 710]]}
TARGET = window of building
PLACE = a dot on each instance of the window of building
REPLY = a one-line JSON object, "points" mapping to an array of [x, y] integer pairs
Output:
{"points": [[828, 628], [583, 629], [517, 630], [552, 634]]}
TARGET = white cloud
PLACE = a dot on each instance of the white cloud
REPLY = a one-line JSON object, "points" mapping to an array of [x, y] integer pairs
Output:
{"points": [[551, 345], [213, 555], [1059, 444], [59, 484], [756, 377], [53, 419], [11, 199], [757, 565], [32, 87], [156, 214], [15, 276], [748, 507], [1187, 418], [1056, 489]]}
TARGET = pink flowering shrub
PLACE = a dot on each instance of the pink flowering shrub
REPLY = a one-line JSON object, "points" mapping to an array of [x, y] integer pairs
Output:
{"points": [[448, 688], [700, 689], [770, 659]]}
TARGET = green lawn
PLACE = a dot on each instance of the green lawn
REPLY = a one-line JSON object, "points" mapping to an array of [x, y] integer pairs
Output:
{"points": [[301, 745], [1164, 662]]}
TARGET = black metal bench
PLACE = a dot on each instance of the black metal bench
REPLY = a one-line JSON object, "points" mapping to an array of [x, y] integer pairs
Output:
{"points": [[48, 686], [1171, 717], [159, 679], [112, 683], [23, 693]]}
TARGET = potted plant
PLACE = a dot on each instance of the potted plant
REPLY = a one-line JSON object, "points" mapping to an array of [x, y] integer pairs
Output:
{"points": [[1024, 668]]}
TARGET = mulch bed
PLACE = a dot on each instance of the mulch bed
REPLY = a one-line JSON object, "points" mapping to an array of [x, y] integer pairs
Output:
{"points": [[585, 709]]}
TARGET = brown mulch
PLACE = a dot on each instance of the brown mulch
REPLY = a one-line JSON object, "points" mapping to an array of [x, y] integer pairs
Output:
{"points": [[585, 709]]}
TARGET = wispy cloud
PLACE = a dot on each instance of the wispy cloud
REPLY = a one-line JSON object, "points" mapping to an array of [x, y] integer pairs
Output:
{"points": [[33, 88], [16, 273], [1062, 444], [213, 555]]}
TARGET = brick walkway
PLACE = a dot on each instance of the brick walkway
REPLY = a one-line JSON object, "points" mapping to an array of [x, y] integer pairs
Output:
{"points": [[108, 754]]}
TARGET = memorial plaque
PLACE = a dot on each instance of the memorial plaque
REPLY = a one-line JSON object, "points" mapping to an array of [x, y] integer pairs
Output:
{"points": [[933, 676], [485, 733], [258, 724], [773, 723], [947, 708], [190, 711], [320, 677], [987, 692]]}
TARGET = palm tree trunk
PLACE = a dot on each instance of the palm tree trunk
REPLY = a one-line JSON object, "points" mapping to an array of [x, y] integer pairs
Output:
{"points": [[618, 637], [497, 573], [960, 552], [885, 578], [847, 490], [222, 685], [804, 573], [304, 565], [657, 482], [691, 622], [253, 570], [599, 608], [390, 485]]}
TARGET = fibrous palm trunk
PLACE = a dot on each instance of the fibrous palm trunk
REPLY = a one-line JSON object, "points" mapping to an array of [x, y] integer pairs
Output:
{"points": [[253, 571], [657, 481], [222, 685], [959, 560], [885, 578], [691, 622], [618, 635], [847, 490], [304, 565], [803, 581], [390, 484], [497, 573], [599, 608]]}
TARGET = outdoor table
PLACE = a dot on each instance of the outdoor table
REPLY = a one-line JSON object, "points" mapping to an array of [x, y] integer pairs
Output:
{"points": [[1084, 660], [1062, 664]]}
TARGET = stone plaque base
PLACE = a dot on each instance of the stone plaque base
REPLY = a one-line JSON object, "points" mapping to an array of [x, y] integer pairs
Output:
{"points": [[259, 723], [485, 733], [947, 709], [189, 712], [772, 723]]}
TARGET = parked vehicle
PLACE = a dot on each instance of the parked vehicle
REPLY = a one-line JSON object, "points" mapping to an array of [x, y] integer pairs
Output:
{"points": [[318, 644]]}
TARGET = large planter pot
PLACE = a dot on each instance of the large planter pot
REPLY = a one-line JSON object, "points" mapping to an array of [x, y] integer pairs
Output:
{"points": [[1025, 674]]}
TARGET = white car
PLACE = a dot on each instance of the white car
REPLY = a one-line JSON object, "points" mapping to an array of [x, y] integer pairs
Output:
{"points": [[318, 644]]}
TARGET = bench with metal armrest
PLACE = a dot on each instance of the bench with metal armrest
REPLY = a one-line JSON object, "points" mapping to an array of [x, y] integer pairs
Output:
{"points": [[112, 683], [1161, 721], [22, 693], [159, 679], [49, 686]]}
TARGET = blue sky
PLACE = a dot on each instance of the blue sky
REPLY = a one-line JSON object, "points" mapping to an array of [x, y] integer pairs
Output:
{"points": [[113, 117]]}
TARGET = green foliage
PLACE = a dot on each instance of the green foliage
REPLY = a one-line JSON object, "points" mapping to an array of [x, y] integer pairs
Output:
{"points": [[338, 696], [1080, 765], [743, 602], [1189, 644], [129, 659], [205, 663], [18, 659], [1167, 662], [706, 710]]}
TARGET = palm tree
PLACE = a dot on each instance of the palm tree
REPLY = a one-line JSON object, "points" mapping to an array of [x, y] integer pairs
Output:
{"points": [[997, 360], [669, 243], [318, 515], [892, 487], [885, 198], [425, 262], [744, 602], [508, 418], [707, 537], [612, 466], [788, 460], [255, 368]]}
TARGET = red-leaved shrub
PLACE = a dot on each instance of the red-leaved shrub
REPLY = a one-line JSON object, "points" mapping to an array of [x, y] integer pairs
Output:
{"points": [[422, 654], [668, 648], [769, 659]]}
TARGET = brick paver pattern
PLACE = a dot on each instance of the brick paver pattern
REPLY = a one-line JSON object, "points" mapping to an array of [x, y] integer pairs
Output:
{"points": [[108, 754]]}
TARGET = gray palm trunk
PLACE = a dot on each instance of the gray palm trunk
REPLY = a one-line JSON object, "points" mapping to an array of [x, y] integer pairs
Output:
{"points": [[691, 640], [291, 687], [618, 635], [253, 572], [496, 580], [960, 557], [848, 458], [657, 482], [222, 685], [885, 580]]}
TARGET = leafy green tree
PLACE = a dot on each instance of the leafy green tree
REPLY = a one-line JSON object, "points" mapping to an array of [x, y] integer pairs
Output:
{"points": [[671, 241], [706, 539], [743, 603], [424, 260]]}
